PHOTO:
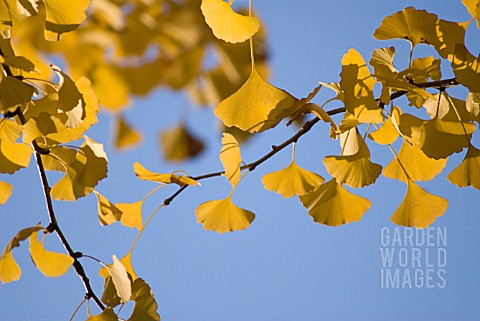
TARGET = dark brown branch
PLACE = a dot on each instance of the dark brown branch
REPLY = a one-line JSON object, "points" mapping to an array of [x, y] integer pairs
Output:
{"points": [[306, 128]]}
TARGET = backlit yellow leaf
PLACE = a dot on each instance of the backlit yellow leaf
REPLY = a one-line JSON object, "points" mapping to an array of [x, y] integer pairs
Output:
{"points": [[59, 158], [18, 62], [331, 204], [292, 180], [231, 158], [357, 84], [468, 172], [5, 192], [418, 166], [51, 264], [9, 269], [14, 156], [226, 24], [419, 208], [179, 144], [107, 315], [255, 107], [120, 279], [466, 68], [10, 131], [111, 88], [353, 170], [387, 134], [108, 213], [223, 216], [382, 63], [14, 92], [146, 175], [125, 135], [131, 214], [95, 168], [473, 8], [423, 69], [63, 16], [146, 307]]}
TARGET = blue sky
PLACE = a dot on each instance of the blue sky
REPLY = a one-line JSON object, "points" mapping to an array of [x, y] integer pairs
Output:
{"points": [[284, 266]]}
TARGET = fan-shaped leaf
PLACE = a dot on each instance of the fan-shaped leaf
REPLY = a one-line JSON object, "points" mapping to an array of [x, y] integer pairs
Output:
{"points": [[64, 16], [125, 135], [51, 264], [466, 68], [107, 212], [387, 134], [179, 144], [107, 315], [146, 307], [14, 156], [468, 172], [14, 92], [131, 214]]}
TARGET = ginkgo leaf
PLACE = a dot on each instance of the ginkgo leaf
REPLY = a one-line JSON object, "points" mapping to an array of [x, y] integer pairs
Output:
{"points": [[179, 143], [18, 62], [64, 16], [357, 84], [292, 180], [131, 214], [14, 92], [255, 107], [95, 168], [109, 295], [419, 167], [146, 307], [127, 263], [112, 94], [419, 208], [108, 213], [440, 139], [226, 24], [353, 170], [423, 69], [350, 142], [223, 216], [51, 264], [466, 68], [5, 192], [468, 172], [125, 135], [10, 131], [9, 269], [58, 158], [14, 156], [473, 9], [146, 175], [382, 63], [107, 315], [331, 204], [387, 134], [120, 279], [472, 105], [231, 158]]}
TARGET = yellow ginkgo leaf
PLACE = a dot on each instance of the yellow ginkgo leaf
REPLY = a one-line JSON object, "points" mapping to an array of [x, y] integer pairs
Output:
{"points": [[146, 175], [10, 131], [423, 69], [331, 204], [111, 88], [9, 269], [466, 68], [95, 168], [256, 106], [419, 208], [125, 136], [14, 156], [14, 92], [59, 158], [387, 134], [231, 158], [145, 305], [127, 263], [179, 144], [223, 216], [108, 213], [353, 170], [107, 315], [357, 84], [382, 63], [131, 214], [120, 279], [468, 172], [226, 24], [440, 139], [473, 8], [64, 16], [472, 105], [51, 264], [419, 167], [292, 180], [5, 192]]}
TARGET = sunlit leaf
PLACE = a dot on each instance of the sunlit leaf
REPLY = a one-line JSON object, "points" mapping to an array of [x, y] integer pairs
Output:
{"points": [[357, 84], [223, 216], [255, 107], [14, 92], [59, 158], [423, 69], [9, 269], [112, 94], [382, 63], [466, 68], [146, 175], [131, 214], [292, 180], [14, 156], [387, 134], [18, 62], [331, 204], [51, 264], [418, 166], [5, 192], [127, 263], [120, 279], [63, 16], [468, 172], [179, 144], [125, 135], [107, 315], [419, 208], [95, 168], [231, 158], [108, 213], [10, 131], [473, 9], [226, 24], [146, 307]]}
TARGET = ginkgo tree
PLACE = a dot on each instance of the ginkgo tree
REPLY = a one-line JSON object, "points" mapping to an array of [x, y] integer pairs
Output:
{"points": [[107, 46]]}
